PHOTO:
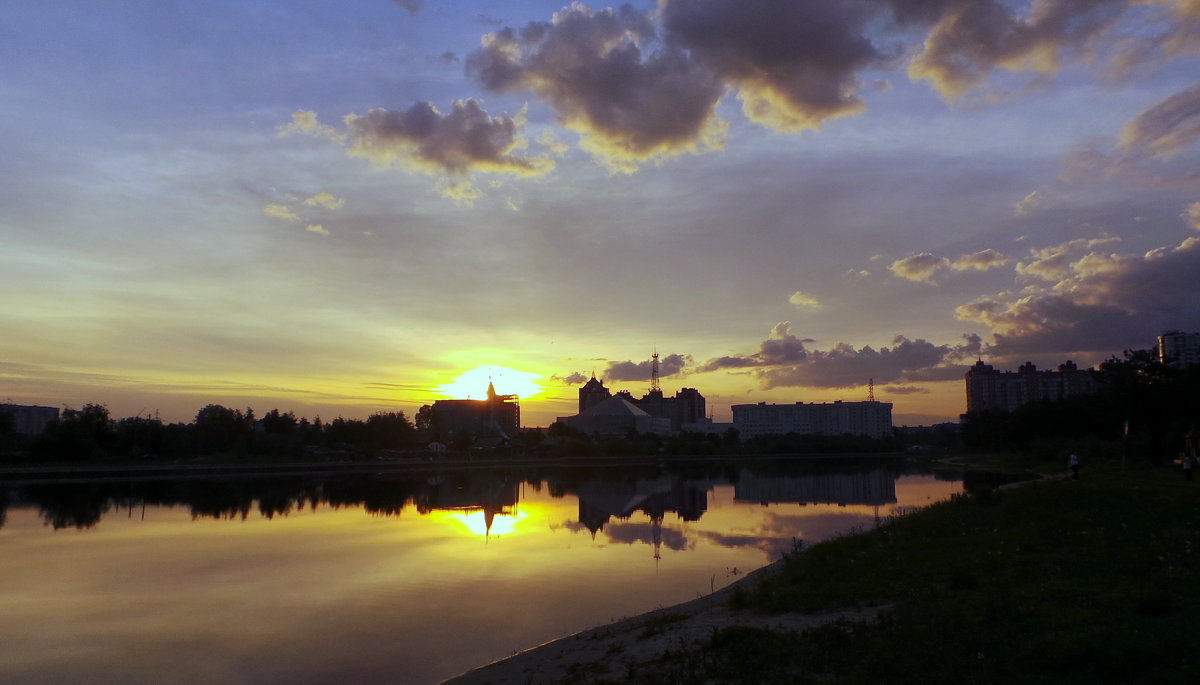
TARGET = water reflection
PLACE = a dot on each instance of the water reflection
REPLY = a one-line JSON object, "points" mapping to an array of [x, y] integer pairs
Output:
{"points": [[602, 494], [404, 577]]}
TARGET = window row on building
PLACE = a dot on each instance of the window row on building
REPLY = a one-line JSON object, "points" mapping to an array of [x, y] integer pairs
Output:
{"points": [[872, 419]]}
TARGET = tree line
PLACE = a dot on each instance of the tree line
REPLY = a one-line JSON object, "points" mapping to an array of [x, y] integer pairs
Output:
{"points": [[91, 433], [1144, 409]]}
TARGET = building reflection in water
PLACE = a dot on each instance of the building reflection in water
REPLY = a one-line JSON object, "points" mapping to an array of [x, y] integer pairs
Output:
{"points": [[602, 495], [243, 568]]}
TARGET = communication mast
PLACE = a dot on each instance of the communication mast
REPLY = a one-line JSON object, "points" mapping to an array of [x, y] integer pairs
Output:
{"points": [[654, 373], [871, 390]]}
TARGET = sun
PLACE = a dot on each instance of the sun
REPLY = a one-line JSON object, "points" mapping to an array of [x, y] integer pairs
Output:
{"points": [[473, 384]]}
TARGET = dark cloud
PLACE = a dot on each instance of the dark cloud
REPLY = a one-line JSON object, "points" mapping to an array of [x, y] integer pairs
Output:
{"points": [[464, 140], [1104, 302], [971, 38], [780, 347], [669, 365], [629, 104], [843, 366], [784, 361], [629, 533], [1167, 128], [575, 378], [905, 390], [413, 6], [794, 64]]}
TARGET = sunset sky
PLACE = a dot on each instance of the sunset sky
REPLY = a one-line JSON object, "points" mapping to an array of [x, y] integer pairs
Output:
{"points": [[338, 208]]}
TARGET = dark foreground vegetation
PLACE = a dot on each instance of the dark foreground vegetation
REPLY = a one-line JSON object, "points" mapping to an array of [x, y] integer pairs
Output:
{"points": [[218, 434], [1077, 581], [1143, 410]]}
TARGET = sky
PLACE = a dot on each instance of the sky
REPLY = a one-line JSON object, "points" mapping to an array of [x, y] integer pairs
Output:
{"points": [[338, 209]]}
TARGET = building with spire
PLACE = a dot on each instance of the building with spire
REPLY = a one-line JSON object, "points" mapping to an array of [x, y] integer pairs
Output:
{"points": [[497, 417]]}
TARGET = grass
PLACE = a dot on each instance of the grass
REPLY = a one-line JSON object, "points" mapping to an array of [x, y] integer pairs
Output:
{"points": [[1061, 581]]}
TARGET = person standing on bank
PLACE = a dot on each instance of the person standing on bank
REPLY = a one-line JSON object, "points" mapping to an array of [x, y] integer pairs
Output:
{"points": [[1073, 462], [1187, 467]]}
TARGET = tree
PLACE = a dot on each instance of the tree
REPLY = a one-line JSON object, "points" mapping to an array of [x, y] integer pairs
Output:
{"points": [[390, 430], [219, 429], [84, 433]]}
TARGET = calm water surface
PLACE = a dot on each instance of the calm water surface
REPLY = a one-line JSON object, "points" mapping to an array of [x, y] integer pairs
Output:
{"points": [[392, 577]]}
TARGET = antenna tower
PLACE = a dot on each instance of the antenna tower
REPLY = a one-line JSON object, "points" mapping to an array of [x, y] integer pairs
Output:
{"points": [[871, 390], [654, 373]]}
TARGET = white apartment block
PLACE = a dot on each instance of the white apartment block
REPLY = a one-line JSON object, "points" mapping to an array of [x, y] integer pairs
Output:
{"points": [[873, 419]]}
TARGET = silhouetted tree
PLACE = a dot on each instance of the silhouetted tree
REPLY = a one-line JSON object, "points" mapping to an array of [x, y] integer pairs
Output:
{"points": [[390, 430], [274, 423], [424, 419], [85, 433], [219, 429]]}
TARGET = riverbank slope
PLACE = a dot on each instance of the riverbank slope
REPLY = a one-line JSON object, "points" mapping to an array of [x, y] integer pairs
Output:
{"points": [[1089, 580]]}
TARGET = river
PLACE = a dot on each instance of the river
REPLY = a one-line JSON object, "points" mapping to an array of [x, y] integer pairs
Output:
{"points": [[399, 577]]}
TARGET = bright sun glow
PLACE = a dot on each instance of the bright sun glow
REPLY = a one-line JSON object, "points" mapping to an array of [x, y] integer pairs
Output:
{"points": [[476, 521], [473, 384]]}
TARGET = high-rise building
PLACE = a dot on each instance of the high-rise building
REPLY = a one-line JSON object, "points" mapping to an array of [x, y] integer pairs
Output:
{"points": [[988, 388], [30, 420], [1179, 349]]}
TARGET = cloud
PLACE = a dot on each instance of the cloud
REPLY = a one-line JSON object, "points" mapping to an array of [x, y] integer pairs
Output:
{"points": [[413, 6], [970, 38], [280, 212], [980, 261], [1027, 203], [1102, 302], [466, 139], [1053, 263], [780, 347], [423, 138], [574, 378], [801, 300], [783, 360], [461, 192], [325, 201], [1191, 214], [305, 122], [669, 365], [318, 229], [919, 267], [843, 366], [1166, 129], [795, 65], [629, 106], [905, 390]]}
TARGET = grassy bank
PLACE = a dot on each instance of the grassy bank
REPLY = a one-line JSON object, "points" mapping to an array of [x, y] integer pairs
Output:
{"points": [[1082, 581]]}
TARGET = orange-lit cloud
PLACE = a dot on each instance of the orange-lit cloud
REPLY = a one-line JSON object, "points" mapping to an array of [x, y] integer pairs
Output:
{"points": [[980, 261], [325, 201], [802, 300], [919, 267], [970, 38], [280, 212]]}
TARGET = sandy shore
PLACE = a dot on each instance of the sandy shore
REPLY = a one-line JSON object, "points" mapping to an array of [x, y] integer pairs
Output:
{"points": [[613, 650]]}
